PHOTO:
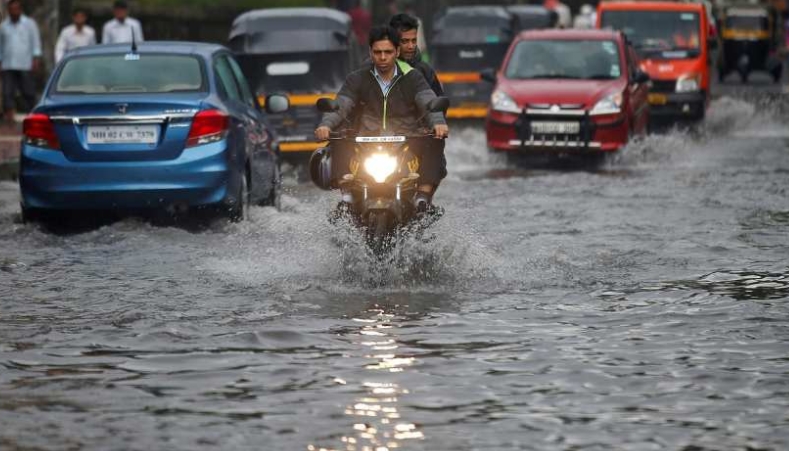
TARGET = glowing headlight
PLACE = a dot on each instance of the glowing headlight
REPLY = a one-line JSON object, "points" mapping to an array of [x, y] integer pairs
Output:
{"points": [[500, 101], [688, 83], [380, 166], [611, 104]]}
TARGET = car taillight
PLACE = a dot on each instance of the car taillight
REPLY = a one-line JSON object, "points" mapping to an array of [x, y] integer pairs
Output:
{"points": [[39, 131], [208, 126]]}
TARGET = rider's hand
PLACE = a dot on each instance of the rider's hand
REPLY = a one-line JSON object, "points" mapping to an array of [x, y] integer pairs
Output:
{"points": [[322, 133], [441, 131]]}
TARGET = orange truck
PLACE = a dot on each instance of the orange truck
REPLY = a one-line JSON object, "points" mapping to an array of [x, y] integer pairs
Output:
{"points": [[671, 39]]}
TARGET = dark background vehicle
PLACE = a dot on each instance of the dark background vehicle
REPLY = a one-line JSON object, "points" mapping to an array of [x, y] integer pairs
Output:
{"points": [[750, 36], [160, 125], [532, 17], [302, 52], [465, 41]]}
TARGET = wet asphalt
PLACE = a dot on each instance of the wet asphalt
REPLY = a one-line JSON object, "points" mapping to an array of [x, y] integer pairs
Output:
{"points": [[642, 304]]}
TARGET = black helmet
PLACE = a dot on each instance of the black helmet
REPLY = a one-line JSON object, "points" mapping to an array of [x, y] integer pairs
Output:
{"points": [[320, 168]]}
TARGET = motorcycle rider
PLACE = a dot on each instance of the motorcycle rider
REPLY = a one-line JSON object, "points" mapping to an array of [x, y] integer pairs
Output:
{"points": [[432, 158], [387, 97]]}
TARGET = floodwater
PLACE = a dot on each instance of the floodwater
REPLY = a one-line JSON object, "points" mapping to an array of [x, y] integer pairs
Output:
{"points": [[642, 305]]}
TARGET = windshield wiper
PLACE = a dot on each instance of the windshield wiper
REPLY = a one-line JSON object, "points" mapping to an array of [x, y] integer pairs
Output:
{"points": [[683, 50], [549, 76], [601, 77]]}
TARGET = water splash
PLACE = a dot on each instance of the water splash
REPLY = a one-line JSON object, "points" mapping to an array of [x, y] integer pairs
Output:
{"points": [[444, 254], [467, 151], [300, 249], [728, 131]]}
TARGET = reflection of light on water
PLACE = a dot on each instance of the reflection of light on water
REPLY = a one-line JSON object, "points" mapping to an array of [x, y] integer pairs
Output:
{"points": [[378, 426]]}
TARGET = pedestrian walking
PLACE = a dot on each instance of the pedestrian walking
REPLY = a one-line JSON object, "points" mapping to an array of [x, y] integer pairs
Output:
{"points": [[122, 28], [20, 56], [76, 35], [361, 21]]}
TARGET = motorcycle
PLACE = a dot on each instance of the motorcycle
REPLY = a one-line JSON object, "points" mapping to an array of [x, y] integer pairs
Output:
{"points": [[383, 179]]}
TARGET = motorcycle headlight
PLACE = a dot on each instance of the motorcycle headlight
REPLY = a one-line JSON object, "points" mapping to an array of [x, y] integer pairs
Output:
{"points": [[380, 166], [611, 104], [500, 101], [688, 83]]}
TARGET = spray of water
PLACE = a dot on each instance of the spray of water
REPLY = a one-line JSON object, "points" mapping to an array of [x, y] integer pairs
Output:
{"points": [[730, 127], [299, 249], [467, 151]]}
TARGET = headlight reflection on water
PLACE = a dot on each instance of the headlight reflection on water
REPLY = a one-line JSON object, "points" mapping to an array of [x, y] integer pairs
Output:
{"points": [[379, 425]]}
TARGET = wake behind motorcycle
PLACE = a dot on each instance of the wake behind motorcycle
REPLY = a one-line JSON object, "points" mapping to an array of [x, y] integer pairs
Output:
{"points": [[382, 178]]}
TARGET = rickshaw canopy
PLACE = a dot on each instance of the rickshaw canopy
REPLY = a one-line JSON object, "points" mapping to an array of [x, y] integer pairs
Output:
{"points": [[532, 17], [291, 30]]}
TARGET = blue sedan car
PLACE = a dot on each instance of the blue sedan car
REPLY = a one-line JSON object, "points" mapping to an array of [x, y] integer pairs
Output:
{"points": [[160, 125]]}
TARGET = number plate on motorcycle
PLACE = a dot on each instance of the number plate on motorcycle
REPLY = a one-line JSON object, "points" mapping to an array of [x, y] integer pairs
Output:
{"points": [[556, 128], [380, 139]]}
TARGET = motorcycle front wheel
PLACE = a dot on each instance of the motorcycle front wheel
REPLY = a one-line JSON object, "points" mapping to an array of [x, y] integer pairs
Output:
{"points": [[378, 231]]}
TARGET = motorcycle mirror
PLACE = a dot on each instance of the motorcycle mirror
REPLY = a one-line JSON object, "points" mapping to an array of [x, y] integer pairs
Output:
{"points": [[439, 104], [488, 74], [277, 103], [641, 77], [327, 105]]}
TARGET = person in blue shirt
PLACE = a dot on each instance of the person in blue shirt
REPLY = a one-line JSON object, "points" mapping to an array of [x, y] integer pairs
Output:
{"points": [[20, 56]]}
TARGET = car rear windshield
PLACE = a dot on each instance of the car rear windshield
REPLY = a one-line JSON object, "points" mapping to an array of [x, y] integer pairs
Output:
{"points": [[131, 73], [571, 59], [671, 34], [296, 73]]}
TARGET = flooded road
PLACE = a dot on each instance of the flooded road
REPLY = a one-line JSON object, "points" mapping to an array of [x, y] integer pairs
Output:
{"points": [[643, 305]]}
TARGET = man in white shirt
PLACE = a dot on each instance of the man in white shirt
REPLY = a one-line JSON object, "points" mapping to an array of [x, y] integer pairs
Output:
{"points": [[122, 27], [20, 55], [75, 35]]}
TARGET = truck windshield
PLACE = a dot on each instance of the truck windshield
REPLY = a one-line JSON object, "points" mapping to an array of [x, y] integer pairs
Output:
{"points": [[656, 34]]}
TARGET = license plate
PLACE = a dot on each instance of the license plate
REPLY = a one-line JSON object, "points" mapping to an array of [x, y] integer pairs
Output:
{"points": [[556, 128], [658, 99], [123, 134]]}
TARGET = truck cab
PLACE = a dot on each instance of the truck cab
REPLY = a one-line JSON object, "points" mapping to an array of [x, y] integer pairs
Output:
{"points": [[672, 41]]}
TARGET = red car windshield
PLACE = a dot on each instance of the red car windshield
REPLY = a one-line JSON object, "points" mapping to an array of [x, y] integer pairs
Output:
{"points": [[571, 59]]}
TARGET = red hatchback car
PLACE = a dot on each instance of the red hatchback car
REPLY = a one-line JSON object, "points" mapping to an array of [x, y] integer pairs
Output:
{"points": [[567, 92]]}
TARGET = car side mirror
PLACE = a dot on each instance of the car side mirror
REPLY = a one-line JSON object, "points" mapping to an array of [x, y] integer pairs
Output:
{"points": [[277, 103], [641, 77], [488, 74], [438, 105], [327, 105]]}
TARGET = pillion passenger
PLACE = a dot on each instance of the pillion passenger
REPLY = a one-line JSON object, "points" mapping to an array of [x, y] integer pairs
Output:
{"points": [[433, 167]]}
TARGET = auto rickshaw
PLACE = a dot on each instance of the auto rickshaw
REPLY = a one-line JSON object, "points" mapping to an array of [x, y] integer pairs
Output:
{"points": [[304, 53], [533, 17], [750, 36], [467, 40]]}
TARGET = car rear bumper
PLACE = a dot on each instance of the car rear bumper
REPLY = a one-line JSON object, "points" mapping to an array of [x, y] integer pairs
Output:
{"points": [[677, 106], [200, 176], [602, 134]]}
